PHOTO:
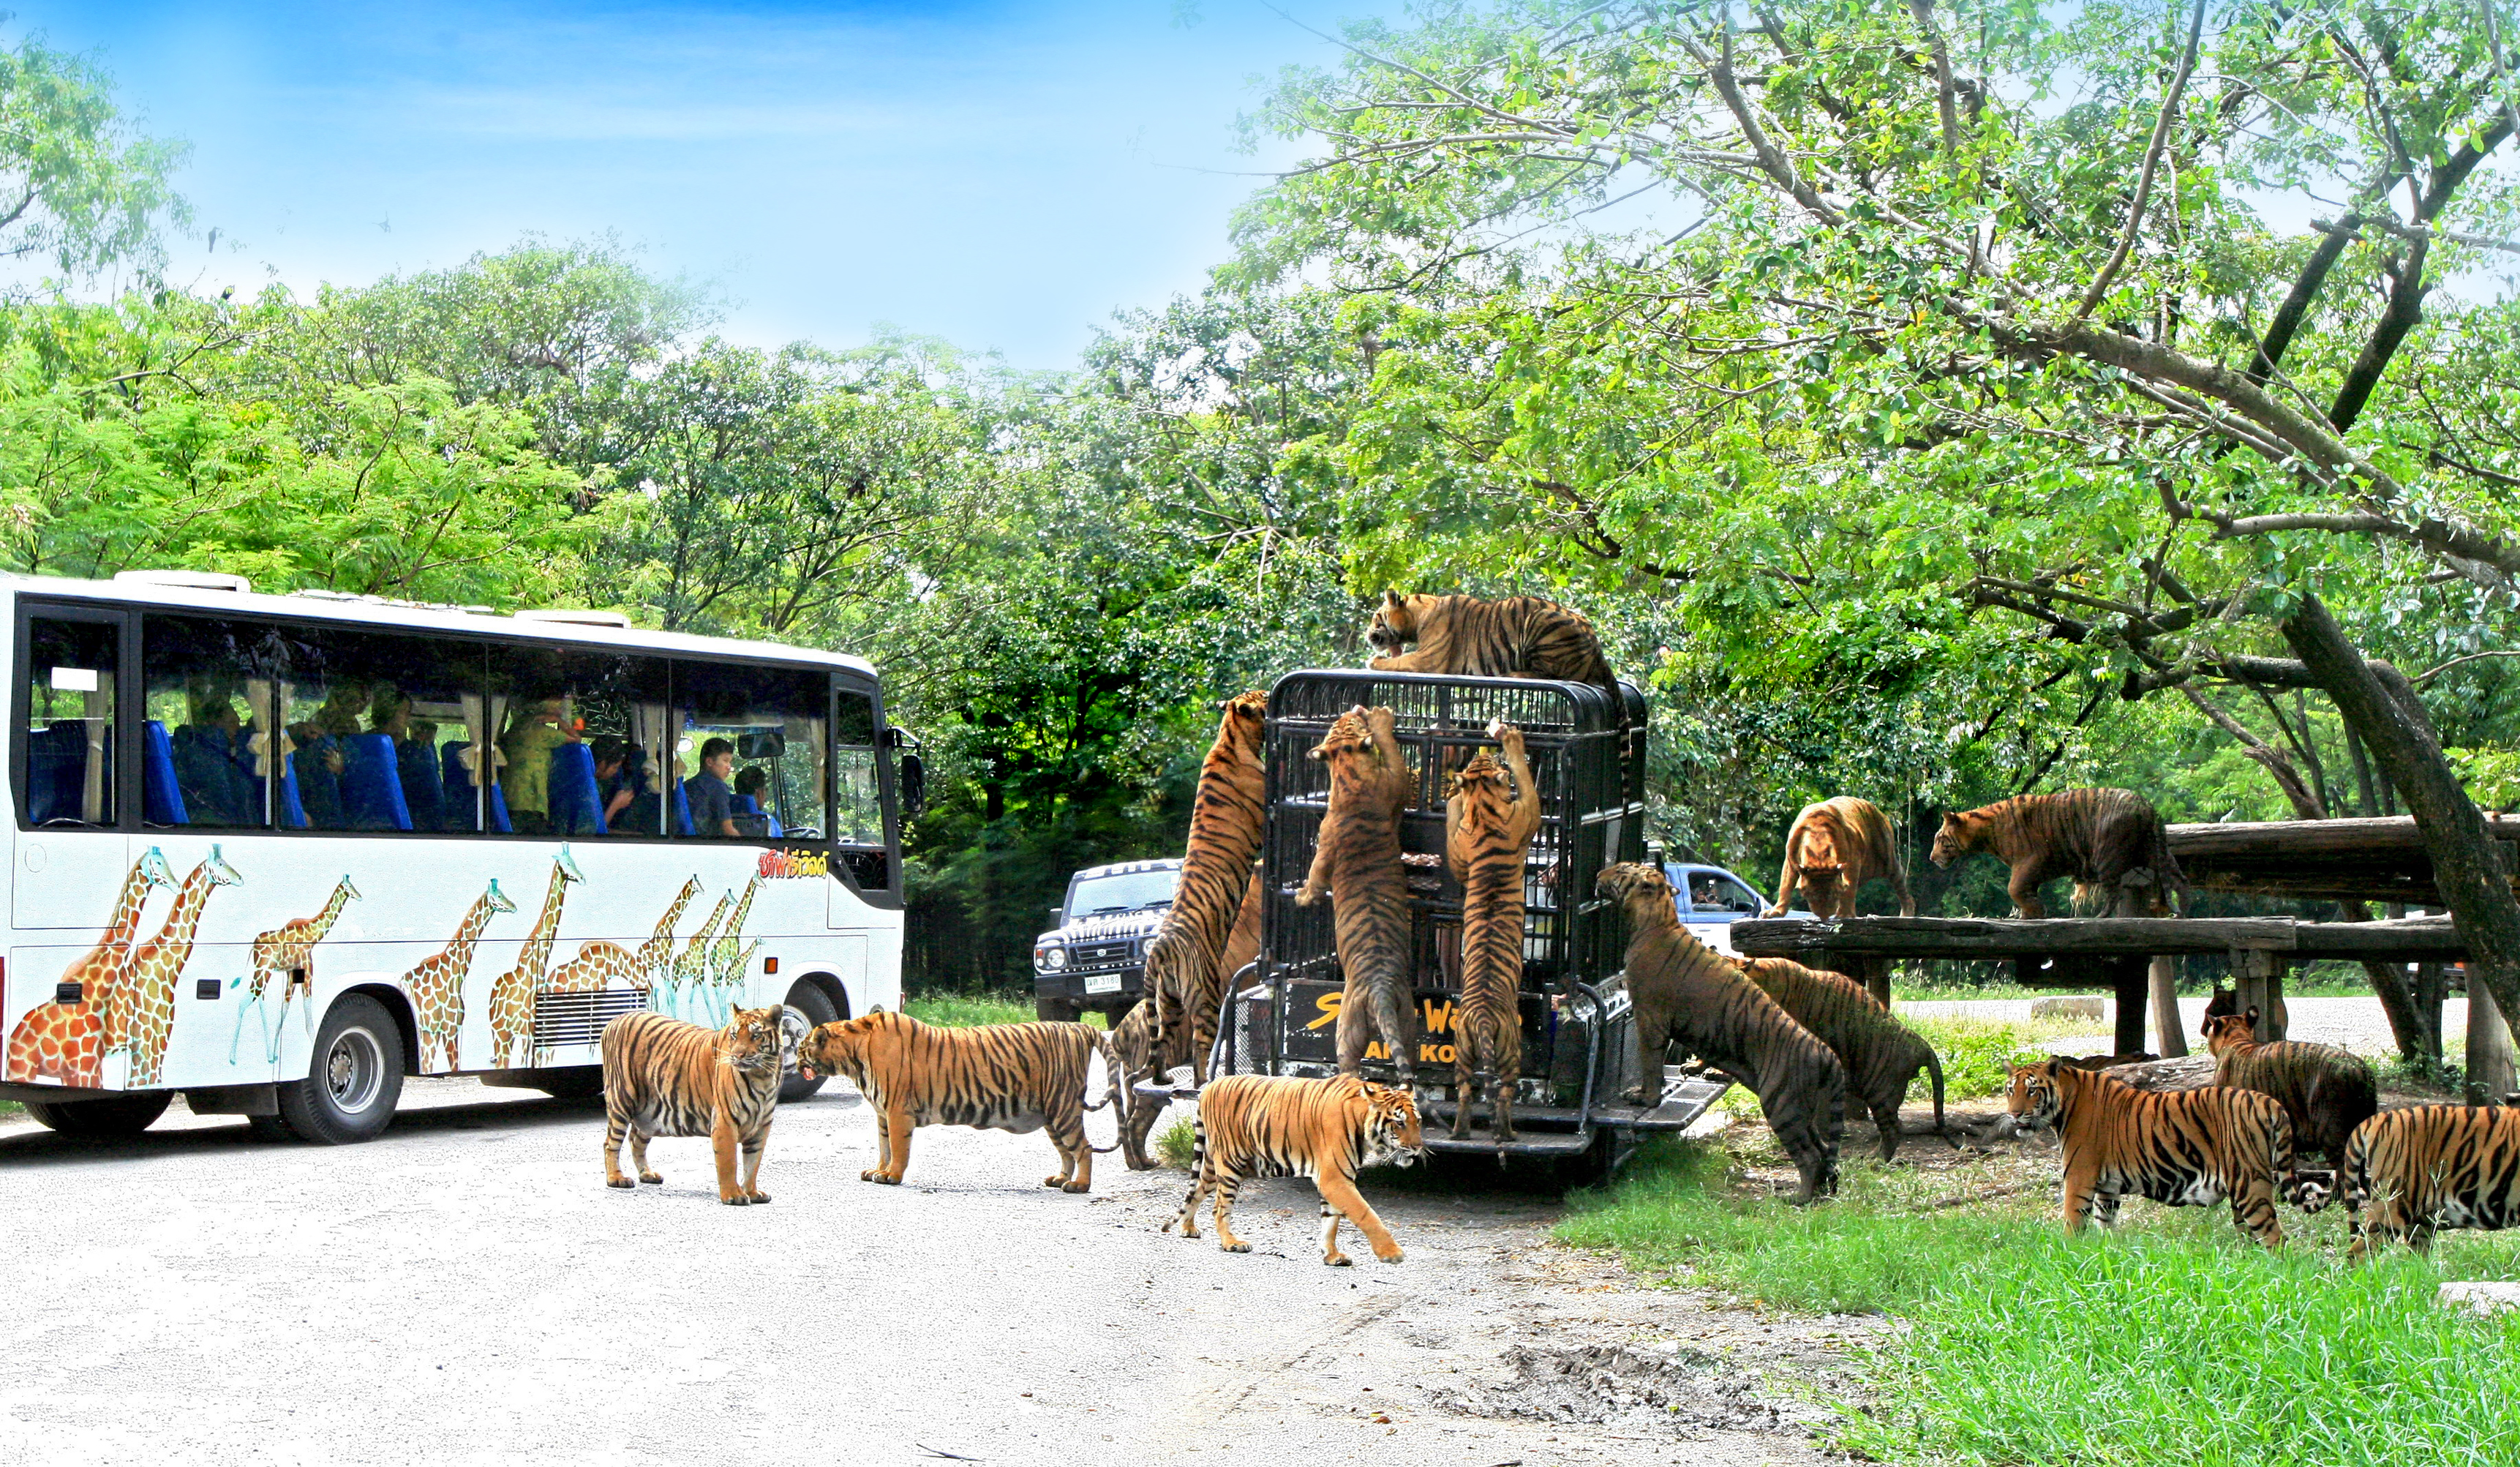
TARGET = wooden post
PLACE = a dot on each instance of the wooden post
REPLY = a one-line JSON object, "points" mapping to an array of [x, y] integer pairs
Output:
{"points": [[2170, 1033], [2489, 1046], [1877, 977], [2257, 978], [2131, 983]]}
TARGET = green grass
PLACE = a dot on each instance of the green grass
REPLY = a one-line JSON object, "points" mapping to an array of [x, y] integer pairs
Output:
{"points": [[1176, 1144], [967, 1010], [2173, 1342]]}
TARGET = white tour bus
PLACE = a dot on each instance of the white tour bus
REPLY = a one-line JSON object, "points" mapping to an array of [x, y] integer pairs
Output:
{"points": [[279, 852]]}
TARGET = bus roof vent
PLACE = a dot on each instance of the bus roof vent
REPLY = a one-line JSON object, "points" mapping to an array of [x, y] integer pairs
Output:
{"points": [[577, 617], [191, 580]]}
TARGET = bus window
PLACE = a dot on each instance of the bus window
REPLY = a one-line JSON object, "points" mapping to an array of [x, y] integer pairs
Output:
{"points": [[69, 777], [581, 736], [857, 803], [378, 733], [207, 686], [749, 753]]}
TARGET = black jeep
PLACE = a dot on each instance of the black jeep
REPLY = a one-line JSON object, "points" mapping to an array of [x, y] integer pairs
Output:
{"points": [[1095, 961]]}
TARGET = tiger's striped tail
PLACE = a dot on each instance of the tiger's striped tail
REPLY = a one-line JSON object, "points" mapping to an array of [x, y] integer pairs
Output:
{"points": [[1934, 1068], [1116, 1101]]}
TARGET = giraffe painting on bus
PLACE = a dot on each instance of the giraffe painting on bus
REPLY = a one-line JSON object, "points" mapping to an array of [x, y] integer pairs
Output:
{"points": [[287, 952], [437, 985], [66, 1041], [511, 996], [145, 999]]}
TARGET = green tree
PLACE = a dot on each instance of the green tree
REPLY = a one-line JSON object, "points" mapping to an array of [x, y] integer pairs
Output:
{"points": [[1937, 339], [79, 189]]}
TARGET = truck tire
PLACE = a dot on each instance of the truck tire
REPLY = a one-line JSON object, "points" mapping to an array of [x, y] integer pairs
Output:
{"points": [[1054, 1008], [356, 1076], [809, 1001], [114, 1119]]}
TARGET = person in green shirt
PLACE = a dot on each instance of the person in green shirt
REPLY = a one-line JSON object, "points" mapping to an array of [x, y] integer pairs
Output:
{"points": [[534, 730]]}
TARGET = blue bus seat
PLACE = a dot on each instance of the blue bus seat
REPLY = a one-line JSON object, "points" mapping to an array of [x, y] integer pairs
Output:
{"points": [[576, 802], [682, 811], [372, 784], [161, 801]]}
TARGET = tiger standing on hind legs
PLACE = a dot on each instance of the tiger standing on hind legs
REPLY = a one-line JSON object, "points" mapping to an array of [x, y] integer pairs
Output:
{"points": [[1185, 976], [1687, 993], [1134, 1037], [1355, 862], [664, 1078], [1489, 820], [1276, 1125]]}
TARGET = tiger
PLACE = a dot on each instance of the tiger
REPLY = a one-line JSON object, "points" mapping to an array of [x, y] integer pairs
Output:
{"points": [[2409, 1172], [2187, 1148], [997, 1077], [1832, 849], [1184, 980], [2108, 840], [1356, 862], [1489, 820], [1462, 636], [2326, 1091], [1133, 1038], [1684, 993], [1278, 1125], [666, 1078], [1881, 1054]]}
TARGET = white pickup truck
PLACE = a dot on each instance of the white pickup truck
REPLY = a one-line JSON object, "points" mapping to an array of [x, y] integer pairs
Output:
{"points": [[1711, 899]]}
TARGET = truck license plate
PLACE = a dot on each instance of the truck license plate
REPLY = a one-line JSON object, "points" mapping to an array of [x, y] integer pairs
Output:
{"points": [[1101, 983]]}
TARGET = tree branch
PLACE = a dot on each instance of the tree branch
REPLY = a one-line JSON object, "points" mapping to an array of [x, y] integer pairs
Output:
{"points": [[2151, 161]]}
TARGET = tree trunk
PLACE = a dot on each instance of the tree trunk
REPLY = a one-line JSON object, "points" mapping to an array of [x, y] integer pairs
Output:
{"points": [[2467, 862], [2170, 1037], [2489, 1046]]}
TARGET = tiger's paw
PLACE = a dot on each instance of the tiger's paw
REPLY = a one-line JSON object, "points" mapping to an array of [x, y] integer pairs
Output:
{"points": [[1236, 1246], [736, 1201], [758, 1199], [619, 1181], [1076, 1187], [1393, 1256], [1337, 1260], [883, 1178], [1055, 1181], [650, 1178]]}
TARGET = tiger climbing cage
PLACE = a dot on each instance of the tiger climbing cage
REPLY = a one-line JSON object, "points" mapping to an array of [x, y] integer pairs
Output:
{"points": [[1587, 747]]}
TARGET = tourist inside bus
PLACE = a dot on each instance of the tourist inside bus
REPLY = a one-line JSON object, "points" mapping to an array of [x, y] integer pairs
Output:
{"points": [[424, 788], [214, 764], [536, 728], [712, 799]]}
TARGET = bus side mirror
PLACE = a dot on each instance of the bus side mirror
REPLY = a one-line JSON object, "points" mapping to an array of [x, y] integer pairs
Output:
{"points": [[914, 786]]}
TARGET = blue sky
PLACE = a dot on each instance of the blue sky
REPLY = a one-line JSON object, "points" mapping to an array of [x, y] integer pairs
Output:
{"points": [[1002, 175]]}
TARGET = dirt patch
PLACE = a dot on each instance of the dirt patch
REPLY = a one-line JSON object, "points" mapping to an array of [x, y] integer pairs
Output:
{"points": [[1663, 1385]]}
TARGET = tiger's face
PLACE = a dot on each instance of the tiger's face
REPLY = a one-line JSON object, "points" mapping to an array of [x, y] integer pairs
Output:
{"points": [[1637, 884], [2032, 1098], [753, 1040], [1395, 624], [1351, 736], [836, 1049], [1391, 1131], [1820, 885], [1956, 839], [1481, 781]]}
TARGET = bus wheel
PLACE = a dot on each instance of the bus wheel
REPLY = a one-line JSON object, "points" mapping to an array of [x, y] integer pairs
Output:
{"points": [[101, 1120], [350, 1092], [810, 1001]]}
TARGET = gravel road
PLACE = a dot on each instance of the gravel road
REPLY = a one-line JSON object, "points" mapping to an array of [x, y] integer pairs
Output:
{"points": [[467, 1289]]}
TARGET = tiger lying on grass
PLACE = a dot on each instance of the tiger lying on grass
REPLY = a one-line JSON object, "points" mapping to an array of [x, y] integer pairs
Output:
{"points": [[1276, 1125], [999, 1076], [2187, 1148]]}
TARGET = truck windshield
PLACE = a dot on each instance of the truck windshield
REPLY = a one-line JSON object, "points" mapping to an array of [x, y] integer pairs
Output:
{"points": [[1122, 891]]}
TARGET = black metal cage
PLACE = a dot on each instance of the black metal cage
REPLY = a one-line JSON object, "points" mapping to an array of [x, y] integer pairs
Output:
{"points": [[1587, 750]]}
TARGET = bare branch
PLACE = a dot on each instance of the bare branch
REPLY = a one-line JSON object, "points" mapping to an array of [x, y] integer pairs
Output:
{"points": [[1945, 103], [2473, 657]]}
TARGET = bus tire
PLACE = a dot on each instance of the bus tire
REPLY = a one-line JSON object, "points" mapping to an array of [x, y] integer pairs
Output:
{"points": [[354, 1078], [809, 1001], [114, 1119]]}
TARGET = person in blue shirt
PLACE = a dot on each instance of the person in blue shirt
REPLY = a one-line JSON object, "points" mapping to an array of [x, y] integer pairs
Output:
{"points": [[711, 797]]}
